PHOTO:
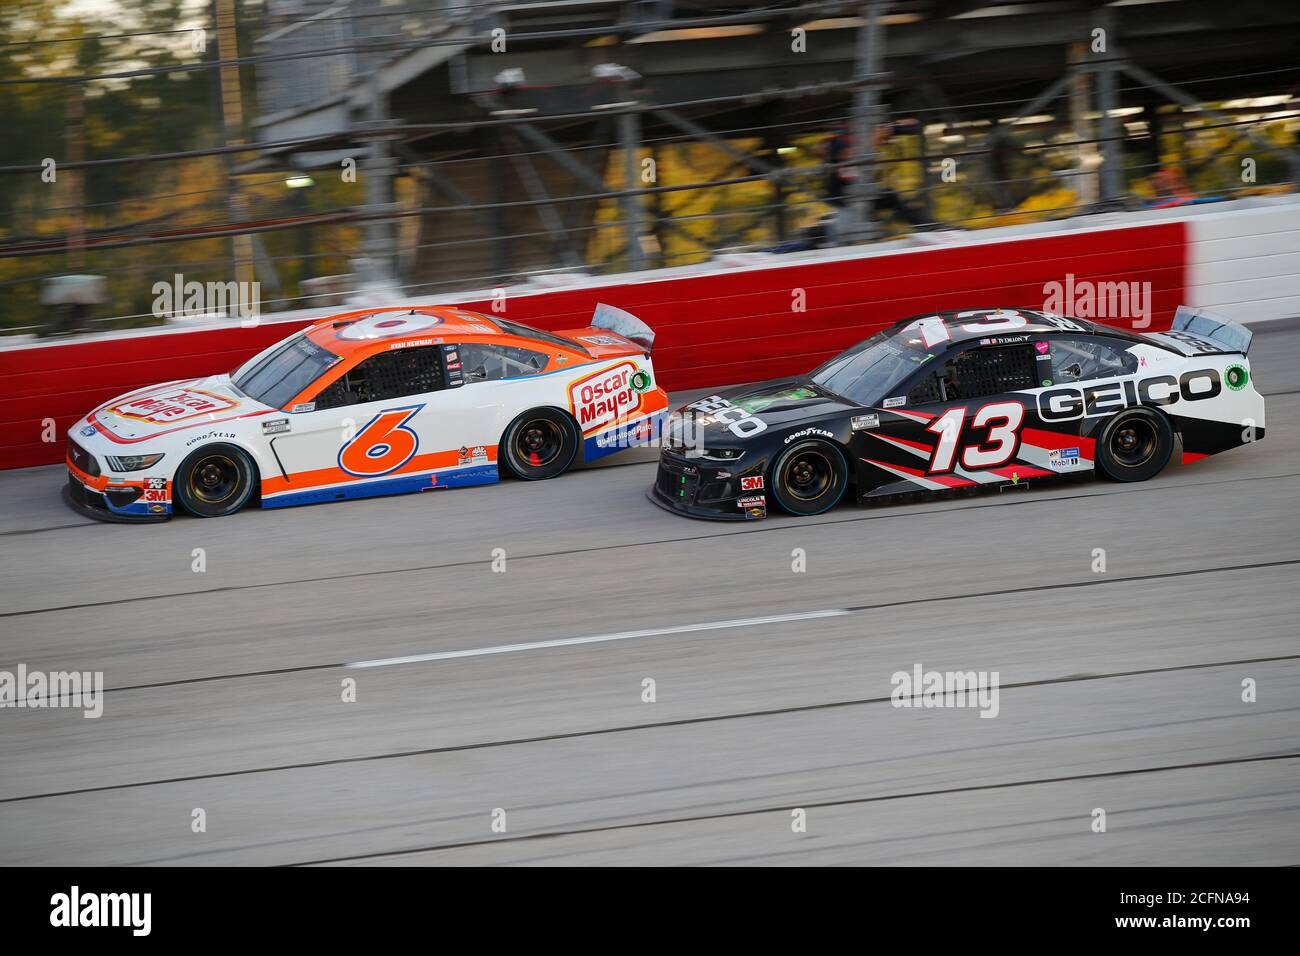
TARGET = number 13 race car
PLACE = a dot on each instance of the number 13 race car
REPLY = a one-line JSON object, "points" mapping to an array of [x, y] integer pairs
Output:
{"points": [[992, 397], [371, 403]]}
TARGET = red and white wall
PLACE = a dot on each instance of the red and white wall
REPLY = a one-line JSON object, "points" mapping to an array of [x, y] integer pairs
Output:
{"points": [[745, 318]]}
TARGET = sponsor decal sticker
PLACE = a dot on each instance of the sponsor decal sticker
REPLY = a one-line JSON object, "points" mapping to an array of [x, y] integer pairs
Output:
{"points": [[173, 406], [88, 431], [304, 407], [604, 397], [1046, 382], [1041, 348], [752, 483], [1063, 457], [894, 402], [804, 433], [641, 380], [738, 420], [1236, 377], [275, 426], [861, 422], [600, 339]]}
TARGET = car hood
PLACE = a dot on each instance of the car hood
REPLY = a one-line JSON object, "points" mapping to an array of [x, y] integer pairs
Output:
{"points": [[777, 403], [157, 409]]}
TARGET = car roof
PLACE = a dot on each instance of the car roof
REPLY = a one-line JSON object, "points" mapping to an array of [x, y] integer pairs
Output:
{"points": [[1038, 323], [348, 333]]}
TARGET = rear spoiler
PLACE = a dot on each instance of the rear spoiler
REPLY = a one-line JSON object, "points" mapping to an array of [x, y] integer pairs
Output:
{"points": [[622, 323], [1197, 332]]}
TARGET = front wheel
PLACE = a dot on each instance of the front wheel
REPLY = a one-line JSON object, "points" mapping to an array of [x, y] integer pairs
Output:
{"points": [[1135, 445], [539, 444], [809, 478], [214, 481]]}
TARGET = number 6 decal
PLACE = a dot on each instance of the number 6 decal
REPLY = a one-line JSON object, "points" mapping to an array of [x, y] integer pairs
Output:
{"points": [[383, 446]]}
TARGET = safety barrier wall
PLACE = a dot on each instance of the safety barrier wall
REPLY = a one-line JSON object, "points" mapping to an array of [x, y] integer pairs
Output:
{"points": [[763, 319]]}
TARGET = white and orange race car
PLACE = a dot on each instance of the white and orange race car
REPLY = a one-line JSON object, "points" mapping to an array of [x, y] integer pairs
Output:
{"points": [[375, 402]]}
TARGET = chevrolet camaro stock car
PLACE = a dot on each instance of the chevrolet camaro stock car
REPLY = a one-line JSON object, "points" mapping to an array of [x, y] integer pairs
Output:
{"points": [[388, 401], [371, 403], [960, 400]]}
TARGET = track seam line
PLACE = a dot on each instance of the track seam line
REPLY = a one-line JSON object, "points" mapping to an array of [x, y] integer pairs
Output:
{"points": [[628, 728], [822, 805], [782, 526], [856, 609]]}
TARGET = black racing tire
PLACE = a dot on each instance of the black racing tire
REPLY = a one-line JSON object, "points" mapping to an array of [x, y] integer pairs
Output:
{"points": [[214, 481], [1134, 445], [809, 478], [541, 443]]}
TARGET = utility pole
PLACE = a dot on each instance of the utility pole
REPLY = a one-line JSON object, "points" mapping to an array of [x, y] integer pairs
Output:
{"points": [[232, 116], [868, 82]]}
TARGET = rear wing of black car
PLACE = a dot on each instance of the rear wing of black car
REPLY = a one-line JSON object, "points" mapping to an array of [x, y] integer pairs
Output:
{"points": [[1197, 332]]}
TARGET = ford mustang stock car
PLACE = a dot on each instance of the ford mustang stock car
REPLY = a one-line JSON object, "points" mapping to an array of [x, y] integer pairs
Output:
{"points": [[963, 400], [375, 402]]}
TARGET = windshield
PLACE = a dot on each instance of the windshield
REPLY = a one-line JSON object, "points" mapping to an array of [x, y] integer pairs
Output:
{"points": [[870, 370], [285, 372]]}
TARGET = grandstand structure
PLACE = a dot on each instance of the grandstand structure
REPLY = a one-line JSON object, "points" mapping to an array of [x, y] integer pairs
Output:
{"points": [[500, 140]]}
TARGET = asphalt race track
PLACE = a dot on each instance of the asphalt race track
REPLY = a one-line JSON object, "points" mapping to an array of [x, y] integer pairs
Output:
{"points": [[1120, 690]]}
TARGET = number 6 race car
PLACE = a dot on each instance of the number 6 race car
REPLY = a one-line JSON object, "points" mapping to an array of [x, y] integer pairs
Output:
{"points": [[990, 398], [368, 403]]}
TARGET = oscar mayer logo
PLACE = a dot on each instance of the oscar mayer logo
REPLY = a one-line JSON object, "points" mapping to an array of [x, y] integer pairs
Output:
{"points": [[172, 406], [605, 397]]}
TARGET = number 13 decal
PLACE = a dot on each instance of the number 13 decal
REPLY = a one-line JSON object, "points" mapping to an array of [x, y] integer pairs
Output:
{"points": [[1003, 420]]}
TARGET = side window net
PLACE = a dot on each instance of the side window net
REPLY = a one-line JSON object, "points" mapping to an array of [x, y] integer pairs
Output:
{"points": [[391, 374], [992, 371]]}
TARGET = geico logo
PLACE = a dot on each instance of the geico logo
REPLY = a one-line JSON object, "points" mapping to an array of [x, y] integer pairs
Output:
{"points": [[738, 421], [1070, 402]]}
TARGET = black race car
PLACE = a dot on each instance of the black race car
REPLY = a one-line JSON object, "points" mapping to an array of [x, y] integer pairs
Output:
{"points": [[960, 400]]}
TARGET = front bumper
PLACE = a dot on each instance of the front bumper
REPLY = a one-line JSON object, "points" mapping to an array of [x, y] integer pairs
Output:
{"points": [[137, 501], [705, 490]]}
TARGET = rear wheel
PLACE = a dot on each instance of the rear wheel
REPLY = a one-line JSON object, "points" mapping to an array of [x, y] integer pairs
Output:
{"points": [[214, 481], [809, 478], [539, 444], [1135, 445]]}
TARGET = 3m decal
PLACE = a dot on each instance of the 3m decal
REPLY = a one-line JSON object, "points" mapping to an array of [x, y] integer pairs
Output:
{"points": [[384, 445], [752, 483], [604, 397]]}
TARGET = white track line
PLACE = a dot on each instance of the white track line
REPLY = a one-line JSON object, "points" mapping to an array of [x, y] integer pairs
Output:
{"points": [[597, 638]]}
